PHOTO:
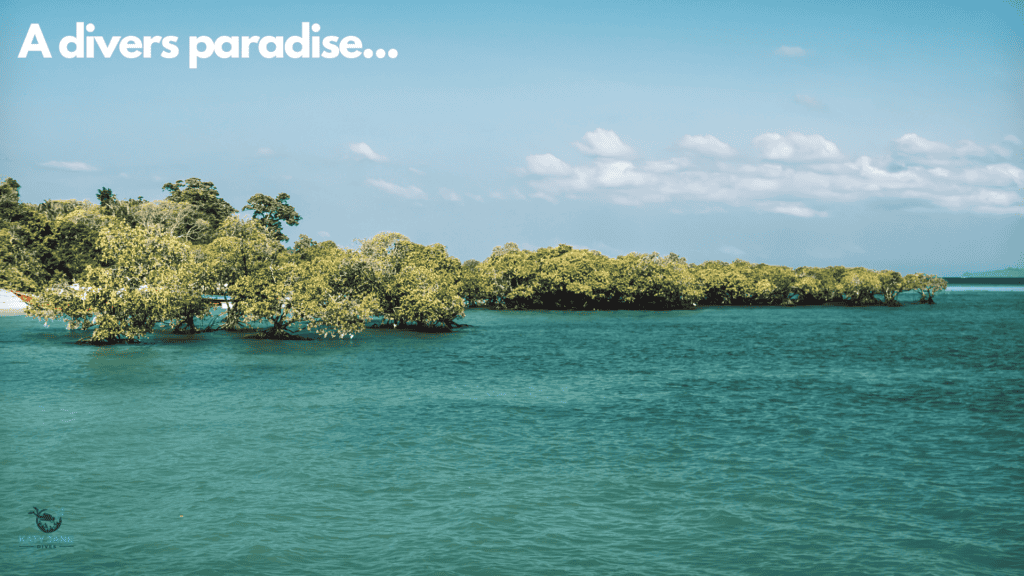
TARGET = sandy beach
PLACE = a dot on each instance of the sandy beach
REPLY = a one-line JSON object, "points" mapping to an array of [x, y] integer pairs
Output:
{"points": [[10, 304]]}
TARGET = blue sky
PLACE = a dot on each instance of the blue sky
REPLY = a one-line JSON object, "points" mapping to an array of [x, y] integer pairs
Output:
{"points": [[881, 134]]}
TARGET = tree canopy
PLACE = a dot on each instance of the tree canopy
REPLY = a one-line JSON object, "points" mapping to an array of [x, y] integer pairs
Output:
{"points": [[120, 269], [208, 206], [273, 213], [139, 282], [413, 284]]}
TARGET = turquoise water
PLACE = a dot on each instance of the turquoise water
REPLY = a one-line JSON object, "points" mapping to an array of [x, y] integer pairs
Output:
{"points": [[810, 440]]}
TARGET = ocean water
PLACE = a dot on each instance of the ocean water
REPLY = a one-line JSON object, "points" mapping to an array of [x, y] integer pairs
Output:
{"points": [[818, 440]]}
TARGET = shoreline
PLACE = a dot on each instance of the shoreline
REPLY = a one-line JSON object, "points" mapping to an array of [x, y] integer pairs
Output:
{"points": [[11, 304]]}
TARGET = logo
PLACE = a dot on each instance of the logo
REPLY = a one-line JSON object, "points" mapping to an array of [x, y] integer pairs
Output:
{"points": [[46, 522]]}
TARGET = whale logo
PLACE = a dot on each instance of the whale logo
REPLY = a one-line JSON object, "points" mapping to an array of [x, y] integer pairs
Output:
{"points": [[46, 522]]}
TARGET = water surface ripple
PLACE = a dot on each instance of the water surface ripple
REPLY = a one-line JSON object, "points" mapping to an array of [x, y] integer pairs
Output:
{"points": [[819, 440]]}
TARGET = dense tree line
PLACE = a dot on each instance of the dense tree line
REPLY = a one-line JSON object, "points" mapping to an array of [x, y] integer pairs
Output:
{"points": [[571, 279], [120, 268]]}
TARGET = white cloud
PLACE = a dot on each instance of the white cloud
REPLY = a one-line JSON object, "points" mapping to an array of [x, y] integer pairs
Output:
{"points": [[707, 144], [323, 234], [364, 149], [791, 51], [264, 151], [69, 166], [659, 166], [601, 174], [758, 184], [415, 171], [941, 181], [547, 164], [411, 192], [983, 202], [926, 151], [449, 195], [798, 210], [602, 142], [874, 178], [914, 144], [1004, 152], [796, 146], [619, 174], [732, 251], [968, 148], [1004, 175], [774, 146], [1012, 139]]}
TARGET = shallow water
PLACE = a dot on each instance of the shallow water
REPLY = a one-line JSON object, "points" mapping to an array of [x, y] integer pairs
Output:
{"points": [[717, 441]]}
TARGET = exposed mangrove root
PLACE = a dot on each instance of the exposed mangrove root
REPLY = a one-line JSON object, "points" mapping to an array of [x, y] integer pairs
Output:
{"points": [[281, 335]]}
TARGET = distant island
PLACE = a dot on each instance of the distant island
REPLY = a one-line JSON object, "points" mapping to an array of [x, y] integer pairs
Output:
{"points": [[1010, 272]]}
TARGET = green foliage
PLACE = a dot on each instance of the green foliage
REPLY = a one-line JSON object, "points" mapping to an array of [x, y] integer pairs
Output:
{"points": [[319, 287], [106, 197], [570, 279], [19, 269], [20, 254], [179, 219], [859, 285], [28, 260], [22, 219], [331, 293], [773, 285], [54, 209], [382, 253], [818, 285], [927, 285], [513, 274], [743, 283], [138, 284], [273, 213], [122, 268], [648, 282], [427, 286], [476, 285], [723, 283], [240, 253], [9, 194], [209, 209], [890, 285], [305, 248], [73, 242], [414, 284], [124, 210]]}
